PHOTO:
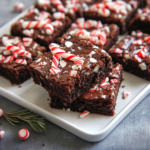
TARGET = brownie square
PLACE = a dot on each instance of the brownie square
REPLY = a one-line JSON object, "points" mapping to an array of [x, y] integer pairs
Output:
{"points": [[71, 68], [100, 99], [16, 55], [72, 9], [104, 36], [43, 27], [117, 12], [141, 20], [133, 52]]}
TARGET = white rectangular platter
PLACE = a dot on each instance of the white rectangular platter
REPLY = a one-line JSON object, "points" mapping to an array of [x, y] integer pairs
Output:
{"points": [[92, 128]]}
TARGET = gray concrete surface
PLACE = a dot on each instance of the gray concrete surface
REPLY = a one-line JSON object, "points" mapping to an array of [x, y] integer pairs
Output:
{"points": [[133, 133]]}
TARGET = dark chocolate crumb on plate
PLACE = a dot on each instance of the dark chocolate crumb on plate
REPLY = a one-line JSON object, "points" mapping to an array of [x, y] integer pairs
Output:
{"points": [[19, 86], [123, 86]]}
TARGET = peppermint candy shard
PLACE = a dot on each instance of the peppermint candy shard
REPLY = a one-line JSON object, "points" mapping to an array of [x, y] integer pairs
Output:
{"points": [[84, 114], [118, 51], [2, 133], [73, 73], [126, 93]]}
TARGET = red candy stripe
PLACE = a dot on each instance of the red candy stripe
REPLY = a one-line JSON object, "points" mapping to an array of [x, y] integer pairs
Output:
{"points": [[113, 81], [84, 114], [138, 42]]}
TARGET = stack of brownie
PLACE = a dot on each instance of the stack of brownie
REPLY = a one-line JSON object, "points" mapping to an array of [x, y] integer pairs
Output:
{"points": [[63, 45]]}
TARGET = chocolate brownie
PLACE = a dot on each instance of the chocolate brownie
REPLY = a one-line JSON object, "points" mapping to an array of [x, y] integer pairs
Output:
{"points": [[71, 68], [70, 8], [104, 36], [142, 3], [15, 56], [117, 12], [141, 20], [41, 26], [100, 99], [133, 52]]}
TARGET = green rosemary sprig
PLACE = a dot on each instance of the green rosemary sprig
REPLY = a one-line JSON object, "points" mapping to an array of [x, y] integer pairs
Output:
{"points": [[18, 117]]}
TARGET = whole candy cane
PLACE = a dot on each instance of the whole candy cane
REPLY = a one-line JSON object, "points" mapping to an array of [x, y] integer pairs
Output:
{"points": [[58, 51], [39, 24]]}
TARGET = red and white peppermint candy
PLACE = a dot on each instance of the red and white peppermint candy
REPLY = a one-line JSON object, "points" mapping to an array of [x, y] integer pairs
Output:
{"points": [[126, 93], [137, 58], [105, 80], [59, 5], [104, 84], [123, 12], [84, 114], [73, 73], [18, 7], [44, 2], [118, 67], [94, 88], [21, 61], [79, 20], [147, 39], [93, 39], [2, 133], [54, 68], [114, 81], [8, 59], [139, 34], [57, 23], [102, 37], [104, 12], [27, 41], [146, 10], [99, 24], [43, 15], [25, 53], [42, 63], [28, 32], [1, 112], [59, 15], [58, 51], [23, 134], [33, 10], [39, 24], [95, 32], [90, 23], [142, 54], [138, 42], [118, 51], [2, 58]]}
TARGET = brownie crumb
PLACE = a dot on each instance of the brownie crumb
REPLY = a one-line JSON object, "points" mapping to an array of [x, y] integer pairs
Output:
{"points": [[48, 99], [43, 145], [123, 86], [19, 86]]}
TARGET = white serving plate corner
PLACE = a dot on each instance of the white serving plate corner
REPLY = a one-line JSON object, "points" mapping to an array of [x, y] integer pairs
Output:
{"points": [[92, 128]]}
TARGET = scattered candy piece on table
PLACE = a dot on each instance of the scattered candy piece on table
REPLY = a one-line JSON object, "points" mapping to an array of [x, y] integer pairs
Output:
{"points": [[1, 112], [84, 114], [2, 133], [18, 7], [23, 134], [126, 94]]}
